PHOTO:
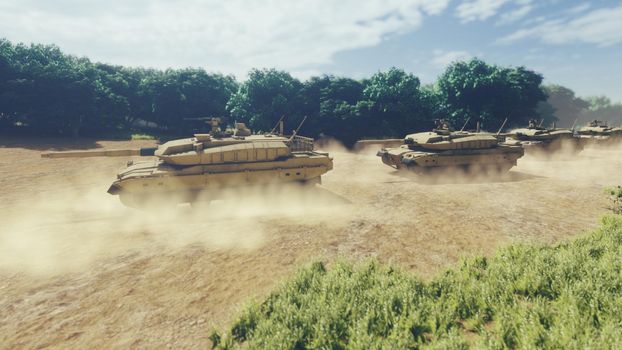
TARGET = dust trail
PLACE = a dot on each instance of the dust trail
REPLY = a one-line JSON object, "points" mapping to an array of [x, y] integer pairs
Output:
{"points": [[68, 231], [595, 164], [69, 227]]}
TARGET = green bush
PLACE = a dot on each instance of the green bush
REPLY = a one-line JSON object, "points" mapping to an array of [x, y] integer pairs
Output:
{"points": [[615, 198], [526, 296]]}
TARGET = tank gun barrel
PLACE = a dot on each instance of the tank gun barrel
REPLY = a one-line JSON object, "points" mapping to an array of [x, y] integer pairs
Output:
{"points": [[143, 152]]}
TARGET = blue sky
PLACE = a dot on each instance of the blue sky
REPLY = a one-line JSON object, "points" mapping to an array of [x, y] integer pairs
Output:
{"points": [[574, 43]]}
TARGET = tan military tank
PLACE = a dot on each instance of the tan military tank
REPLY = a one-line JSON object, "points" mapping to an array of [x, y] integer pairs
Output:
{"points": [[535, 138], [443, 149], [205, 165], [599, 132]]}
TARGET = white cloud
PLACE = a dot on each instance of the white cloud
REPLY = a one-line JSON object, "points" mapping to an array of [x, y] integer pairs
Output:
{"points": [[580, 8], [229, 36], [600, 27], [516, 14], [472, 10], [443, 58], [480, 10]]}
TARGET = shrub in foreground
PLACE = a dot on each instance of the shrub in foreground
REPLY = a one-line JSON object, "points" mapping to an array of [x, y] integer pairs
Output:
{"points": [[615, 199], [526, 296]]}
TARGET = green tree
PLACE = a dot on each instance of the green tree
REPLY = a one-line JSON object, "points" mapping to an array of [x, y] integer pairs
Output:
{"points": [[397, 105], [172, 97], [561, 106], [489, 93], [601, 108], [331, 105], [264, 97]]}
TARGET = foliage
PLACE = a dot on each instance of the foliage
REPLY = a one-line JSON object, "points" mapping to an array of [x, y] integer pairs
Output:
{"points": [[51, 93], [526, 296], [45, 91], [615, 199], [601, 108], [488, 94], [396, 103], [265, 97], [561, 106], [333, 108]]}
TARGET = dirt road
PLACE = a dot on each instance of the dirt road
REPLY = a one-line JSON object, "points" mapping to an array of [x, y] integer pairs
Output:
{"points": [[79, 270]]}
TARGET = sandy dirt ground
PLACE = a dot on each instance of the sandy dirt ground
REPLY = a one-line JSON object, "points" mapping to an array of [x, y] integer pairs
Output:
{"points": [[79, 270]]}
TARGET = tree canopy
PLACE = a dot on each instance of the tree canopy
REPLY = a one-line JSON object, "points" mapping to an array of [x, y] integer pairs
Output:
{"points": [[561, 106], [47, 92], [489, 93]]}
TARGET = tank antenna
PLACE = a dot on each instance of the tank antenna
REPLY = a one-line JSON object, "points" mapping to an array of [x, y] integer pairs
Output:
{"points": [[299, 126], [541, 122], [574, 124], [465, 124], [502, 125], [277, 124]]}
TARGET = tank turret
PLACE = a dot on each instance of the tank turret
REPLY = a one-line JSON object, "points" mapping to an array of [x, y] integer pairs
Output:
{"points": [[208, 163]]}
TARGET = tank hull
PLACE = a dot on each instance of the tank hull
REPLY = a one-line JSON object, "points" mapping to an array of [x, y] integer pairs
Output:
{"points": [[147, 181], [602, 139], [500, 158], [550, 146], [600, 135]]}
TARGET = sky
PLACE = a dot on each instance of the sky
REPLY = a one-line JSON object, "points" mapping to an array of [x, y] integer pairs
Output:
{"points": [[577, 44]]}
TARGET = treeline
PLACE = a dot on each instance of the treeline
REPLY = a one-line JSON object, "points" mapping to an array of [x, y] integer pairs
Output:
{"points": [[46, 92]]}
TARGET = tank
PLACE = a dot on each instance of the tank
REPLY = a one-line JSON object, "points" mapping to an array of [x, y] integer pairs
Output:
{"points": [[535, 138], [599, 132], [443, 149], [203, 166]]}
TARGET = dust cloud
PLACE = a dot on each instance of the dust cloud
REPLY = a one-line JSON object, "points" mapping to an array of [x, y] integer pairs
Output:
{"points": [[597, 164], [92, 273], [72, 229], [73, 226]]}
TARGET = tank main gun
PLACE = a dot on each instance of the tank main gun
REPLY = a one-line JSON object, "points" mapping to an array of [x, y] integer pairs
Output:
{"points": [[142, 152]]}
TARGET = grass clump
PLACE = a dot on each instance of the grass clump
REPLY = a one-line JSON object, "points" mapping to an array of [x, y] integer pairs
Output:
{"points": [[526, 296], [136, 137], [615, 199]]}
